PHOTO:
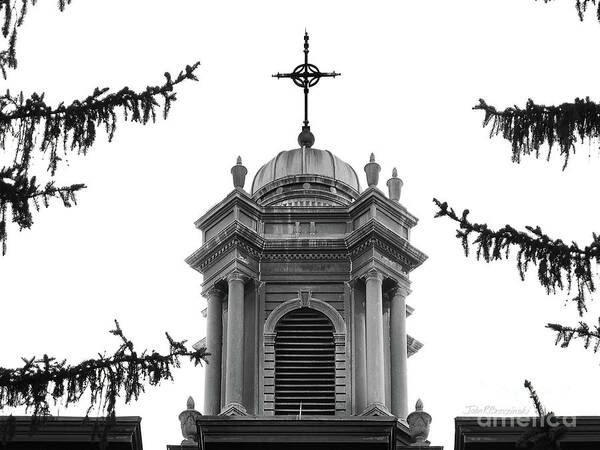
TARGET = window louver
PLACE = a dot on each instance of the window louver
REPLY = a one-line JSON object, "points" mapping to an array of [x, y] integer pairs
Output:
{"points": [[304, 364]]}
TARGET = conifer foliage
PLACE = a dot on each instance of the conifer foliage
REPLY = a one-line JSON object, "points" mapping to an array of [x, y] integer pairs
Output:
{"points": [[527, 129], [560, 266], [544, 432], [589, 335], [12, 16], [34, 127], [582, 5], [106, 378]]}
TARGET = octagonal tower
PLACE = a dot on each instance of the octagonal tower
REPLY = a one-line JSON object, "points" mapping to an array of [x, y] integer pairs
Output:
{"points": [[306, 278]]}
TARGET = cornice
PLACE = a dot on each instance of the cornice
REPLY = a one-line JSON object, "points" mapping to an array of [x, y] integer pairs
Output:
{"points": [[413, 345], [214, 214], [50, 430], [371, 234], [309, 243], [315, 214], [235, 234], [395, 209], [378, 235], [280, 256], [301, 178], [491, 431]]}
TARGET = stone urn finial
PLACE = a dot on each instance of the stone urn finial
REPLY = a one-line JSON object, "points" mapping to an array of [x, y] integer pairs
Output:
{"points": [[239, 174], [418, 423], [372, 170], [188, 423], [394, 185]]}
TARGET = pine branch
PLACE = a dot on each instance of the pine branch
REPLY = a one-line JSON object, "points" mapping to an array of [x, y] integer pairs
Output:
{"points": [[535, 399], [527, 129], [75, 125], [590, 336], [581, 6], [12, 16], [20, 192], [122, 374], [543, 434], [558, 264]]}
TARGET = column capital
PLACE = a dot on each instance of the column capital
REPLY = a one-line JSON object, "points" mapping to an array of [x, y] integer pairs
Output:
{"points": [[374, 273], [399, 291], [213, 292], [236, 275]]}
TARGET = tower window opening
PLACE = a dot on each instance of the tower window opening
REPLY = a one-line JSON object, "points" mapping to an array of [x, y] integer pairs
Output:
{"points": [[304, 364]]}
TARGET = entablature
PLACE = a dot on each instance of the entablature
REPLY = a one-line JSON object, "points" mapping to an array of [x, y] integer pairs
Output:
{"points": [[373, 204], [375, 236], [234, 235]]}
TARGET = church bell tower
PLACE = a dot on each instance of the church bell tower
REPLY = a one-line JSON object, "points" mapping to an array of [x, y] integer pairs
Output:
{"points": [[306, 276]]}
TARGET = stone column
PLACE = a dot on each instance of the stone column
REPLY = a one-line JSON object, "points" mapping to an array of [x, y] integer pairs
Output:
{"points": [[374, 341], [399, 352], [214, 342], [234, 373], [360, 372]]}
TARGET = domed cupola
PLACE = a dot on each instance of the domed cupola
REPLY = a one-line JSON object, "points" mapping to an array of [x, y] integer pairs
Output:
{"points": [[305, 177]]}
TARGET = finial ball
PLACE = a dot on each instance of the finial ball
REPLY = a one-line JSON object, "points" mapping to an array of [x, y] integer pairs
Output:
{"points": [[306, 138]]}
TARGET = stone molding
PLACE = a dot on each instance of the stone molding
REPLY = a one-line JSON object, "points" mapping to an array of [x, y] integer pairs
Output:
{"points": [[376, 409], [215, 248], [234, 409], [236, 275], [213, 292], [305, 257], [381, 245], [374, 273], [269, 338], [296, 303], [339, 338], [398, 290]]}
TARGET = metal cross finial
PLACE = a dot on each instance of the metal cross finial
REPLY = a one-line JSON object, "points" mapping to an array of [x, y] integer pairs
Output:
{"points": [[306, 76]]}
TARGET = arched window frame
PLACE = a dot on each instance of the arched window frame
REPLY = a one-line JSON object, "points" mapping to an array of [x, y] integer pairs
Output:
{"points": [[339, 337]]}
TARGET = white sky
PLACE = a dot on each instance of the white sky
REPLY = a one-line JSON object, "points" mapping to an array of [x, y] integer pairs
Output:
{"points": [[411, 71]]}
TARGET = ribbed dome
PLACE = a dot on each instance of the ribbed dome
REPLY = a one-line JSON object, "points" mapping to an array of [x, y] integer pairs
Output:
{"points": [[307, 161]]}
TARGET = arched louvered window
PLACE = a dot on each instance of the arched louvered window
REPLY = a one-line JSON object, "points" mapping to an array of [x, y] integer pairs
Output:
{"points": [[304, 363]]}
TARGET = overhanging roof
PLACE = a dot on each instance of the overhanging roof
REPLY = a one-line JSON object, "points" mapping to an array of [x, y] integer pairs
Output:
{"points": [[69, 433]]}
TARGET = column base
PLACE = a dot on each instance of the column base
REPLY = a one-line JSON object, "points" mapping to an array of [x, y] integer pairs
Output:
{"points": [[376, 409], [234, 409], [421, 444]]}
